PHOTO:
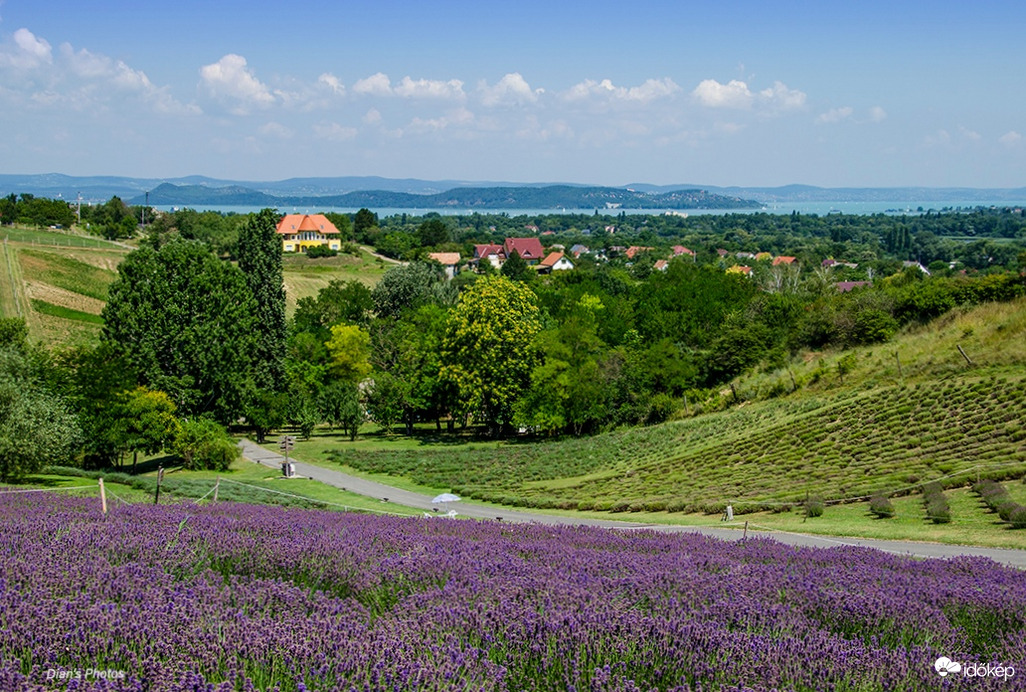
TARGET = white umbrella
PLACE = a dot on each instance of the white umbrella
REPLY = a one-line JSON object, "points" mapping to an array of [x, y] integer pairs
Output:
{"points": [[446, 497]]}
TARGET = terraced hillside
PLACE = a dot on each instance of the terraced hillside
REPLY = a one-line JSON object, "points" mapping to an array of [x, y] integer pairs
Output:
{"points": [[838, 436], [58, 282]]}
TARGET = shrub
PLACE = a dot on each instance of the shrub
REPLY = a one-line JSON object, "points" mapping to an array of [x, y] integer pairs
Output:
{"points": [[1018, 517], [620, 506], [881, 507], [321, 251], [937, 509], [814, 507], [203, 444]]}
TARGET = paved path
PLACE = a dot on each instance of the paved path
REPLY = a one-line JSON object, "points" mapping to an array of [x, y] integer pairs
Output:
{"points": [[361, 486]]}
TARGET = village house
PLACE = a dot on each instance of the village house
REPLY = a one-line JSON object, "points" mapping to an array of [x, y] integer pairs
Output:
{"points": [[679, 250], [555, 262], [783, 259], [492, 254], [299, 232], [845, 286], [450, 261], [529, 249], [578, 250], [661, 265], [635, 249], [740, 269]]}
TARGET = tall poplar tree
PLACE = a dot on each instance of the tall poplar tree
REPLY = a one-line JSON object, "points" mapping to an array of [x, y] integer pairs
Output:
{"points": [[260, 259]]}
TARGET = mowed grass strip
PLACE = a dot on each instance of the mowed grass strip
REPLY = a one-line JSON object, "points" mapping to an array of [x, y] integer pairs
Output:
{"points": [[57, 239], [62, 312], [65, 272]]}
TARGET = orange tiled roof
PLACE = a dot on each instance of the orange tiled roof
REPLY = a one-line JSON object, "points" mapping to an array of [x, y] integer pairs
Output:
{"points": [[296, 223], [783, 260], [445, 258], [552, 258]]}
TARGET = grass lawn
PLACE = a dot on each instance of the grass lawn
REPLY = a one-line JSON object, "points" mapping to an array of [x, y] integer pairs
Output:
{"points": [[305, 276], [972, 523], [243, 482]]}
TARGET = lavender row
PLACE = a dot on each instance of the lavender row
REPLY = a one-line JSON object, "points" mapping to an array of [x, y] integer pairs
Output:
{"points": [[244, 597]]}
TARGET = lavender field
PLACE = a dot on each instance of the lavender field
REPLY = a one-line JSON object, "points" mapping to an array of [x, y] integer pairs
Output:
{"points": [[233, 596]]}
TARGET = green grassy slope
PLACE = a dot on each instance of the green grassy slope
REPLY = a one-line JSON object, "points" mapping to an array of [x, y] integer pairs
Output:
{"points": [[841, 438], [58, 281]]}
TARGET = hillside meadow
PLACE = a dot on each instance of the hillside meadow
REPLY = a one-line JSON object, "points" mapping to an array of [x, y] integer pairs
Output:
{"points": [[57, 281], [839, 436]]}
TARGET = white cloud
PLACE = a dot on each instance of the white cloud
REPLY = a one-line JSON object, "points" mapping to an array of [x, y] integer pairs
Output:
{"points": [[835, 115], [456, 117], [734, 94], [651, 89], [877, 114], [372, 117], [780, 97], [376, 85], [333, 132], [229, 79], [1010, 138], [428, 88], [274, 129], [512, 89], [28, 51], [332, 82], [969, 134], [88, 65], [535, 131], [938, 138]]}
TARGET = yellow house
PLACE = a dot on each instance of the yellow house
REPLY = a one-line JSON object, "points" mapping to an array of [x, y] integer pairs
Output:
{"points": [[301, 231]]}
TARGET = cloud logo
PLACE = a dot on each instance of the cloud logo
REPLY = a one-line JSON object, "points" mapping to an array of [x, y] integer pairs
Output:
{"points": [[945, 665]]}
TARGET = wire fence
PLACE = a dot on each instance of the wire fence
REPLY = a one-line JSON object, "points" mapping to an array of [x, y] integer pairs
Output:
{"points": [[215, 484]]}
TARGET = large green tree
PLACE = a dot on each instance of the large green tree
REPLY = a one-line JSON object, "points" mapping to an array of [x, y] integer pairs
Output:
{"points": [[488, 350], [409, 286], [259, 253], [37, 427], [185, 322]]}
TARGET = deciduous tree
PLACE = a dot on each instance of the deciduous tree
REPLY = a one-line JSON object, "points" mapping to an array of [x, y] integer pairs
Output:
{"points": [[488, 351]]}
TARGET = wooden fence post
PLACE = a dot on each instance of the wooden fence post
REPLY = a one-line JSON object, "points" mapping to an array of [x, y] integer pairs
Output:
{"points": [[160, 479], [217, 486], [103, 498]]}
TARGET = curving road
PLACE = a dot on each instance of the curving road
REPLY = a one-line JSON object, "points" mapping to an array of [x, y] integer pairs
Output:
{"points": [[361, 486]]}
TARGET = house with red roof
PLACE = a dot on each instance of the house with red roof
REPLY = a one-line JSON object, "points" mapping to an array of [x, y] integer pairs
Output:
{"points": [[529, 249], [635, 249], [299, 232], [493, 254], [679, 250], [783, 259]]}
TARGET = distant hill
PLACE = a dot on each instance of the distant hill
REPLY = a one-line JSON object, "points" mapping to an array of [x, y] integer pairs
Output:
{"points": [[372, 191], [544, 197]]}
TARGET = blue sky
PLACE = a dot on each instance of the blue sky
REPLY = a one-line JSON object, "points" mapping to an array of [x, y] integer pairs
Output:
{"points": [[862, 94]]}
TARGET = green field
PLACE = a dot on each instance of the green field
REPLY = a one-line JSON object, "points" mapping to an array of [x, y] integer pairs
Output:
{"points": [[305, 276], [838, 436], [58, 281], [245, 481], [58, 287]]}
